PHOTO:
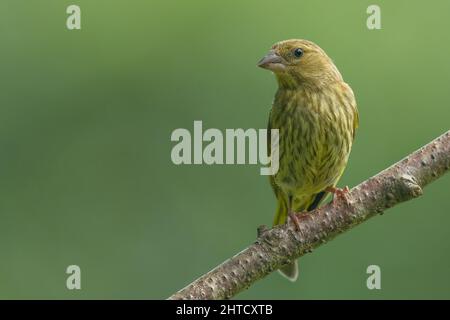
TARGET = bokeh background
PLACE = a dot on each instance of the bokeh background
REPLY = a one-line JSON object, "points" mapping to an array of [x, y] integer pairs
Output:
{"points": [[85, 122]]}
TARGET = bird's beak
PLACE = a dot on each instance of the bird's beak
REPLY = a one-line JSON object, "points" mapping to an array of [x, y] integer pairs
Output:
{"points": [[272, 61]]}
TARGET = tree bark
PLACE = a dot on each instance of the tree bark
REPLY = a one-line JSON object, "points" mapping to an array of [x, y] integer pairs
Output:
{"points": [[276, 247]]}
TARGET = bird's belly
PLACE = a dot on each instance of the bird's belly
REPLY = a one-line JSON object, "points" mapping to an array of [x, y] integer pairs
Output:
{"points": [[310, 162]]}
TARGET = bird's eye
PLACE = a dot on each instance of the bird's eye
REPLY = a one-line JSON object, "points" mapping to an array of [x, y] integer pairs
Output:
{"points": [[298, 52]]}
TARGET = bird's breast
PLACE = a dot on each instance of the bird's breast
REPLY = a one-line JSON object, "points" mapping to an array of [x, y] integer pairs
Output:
{"points": [[315, 138]]}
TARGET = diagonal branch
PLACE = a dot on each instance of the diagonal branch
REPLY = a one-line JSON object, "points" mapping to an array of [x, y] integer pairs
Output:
{"points": [[276, 247]]}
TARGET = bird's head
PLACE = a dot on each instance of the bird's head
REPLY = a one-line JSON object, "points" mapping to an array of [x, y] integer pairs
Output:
{"points": [[299, 62]]}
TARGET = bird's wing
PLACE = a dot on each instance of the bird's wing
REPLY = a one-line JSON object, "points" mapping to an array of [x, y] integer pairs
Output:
{"points": [[355, 108], [275, 188], [355, 118], [282, 207]]}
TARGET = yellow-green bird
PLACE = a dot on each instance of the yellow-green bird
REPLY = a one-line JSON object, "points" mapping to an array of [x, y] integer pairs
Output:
{"points": [[315, 112]]}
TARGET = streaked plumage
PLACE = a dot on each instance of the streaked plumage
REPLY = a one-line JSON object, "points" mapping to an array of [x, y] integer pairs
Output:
{"points": [[315, 111]]}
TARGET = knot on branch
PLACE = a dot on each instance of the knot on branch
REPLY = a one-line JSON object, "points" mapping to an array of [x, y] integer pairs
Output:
{"points": [[409, 187], [261, 230]]}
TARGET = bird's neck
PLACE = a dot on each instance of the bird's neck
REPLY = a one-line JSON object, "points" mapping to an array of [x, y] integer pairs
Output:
{"points": [[296, 81], [301, 95], [292, 84]]}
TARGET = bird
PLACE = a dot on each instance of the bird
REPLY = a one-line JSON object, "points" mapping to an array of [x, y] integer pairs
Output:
{"points": [[316, 114]]}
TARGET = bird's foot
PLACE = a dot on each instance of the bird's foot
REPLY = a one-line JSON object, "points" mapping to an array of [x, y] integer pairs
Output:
{"points": [[340, 194], [294, 218]]}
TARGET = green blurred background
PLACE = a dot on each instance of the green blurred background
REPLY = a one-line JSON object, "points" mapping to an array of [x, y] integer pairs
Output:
{"points": [[85, 124]]}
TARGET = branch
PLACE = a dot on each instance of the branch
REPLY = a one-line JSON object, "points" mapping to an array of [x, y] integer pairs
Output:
{"points": [[276, 247]]}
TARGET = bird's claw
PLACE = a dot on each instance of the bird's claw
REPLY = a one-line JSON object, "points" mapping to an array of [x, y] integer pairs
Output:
{"points": [[294, 219], [339, 193]]}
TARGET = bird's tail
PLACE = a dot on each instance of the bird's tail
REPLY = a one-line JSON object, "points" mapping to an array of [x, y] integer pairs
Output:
{"points": [[290, 271], [281, 214]]}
